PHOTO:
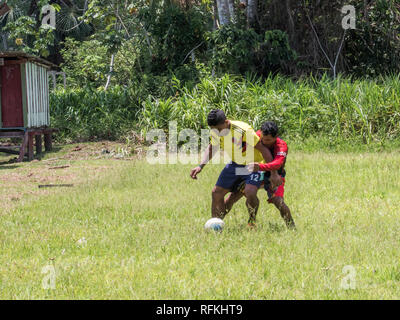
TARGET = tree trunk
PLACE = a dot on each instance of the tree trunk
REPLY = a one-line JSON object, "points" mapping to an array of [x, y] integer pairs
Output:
{"points": [[215, 14], [231, 6], [291, 22], [251, 12], [366, 11], [5, 44], [111, 71], [223, 12]]}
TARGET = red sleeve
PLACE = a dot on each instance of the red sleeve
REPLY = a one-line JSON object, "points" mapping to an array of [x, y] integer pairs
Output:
{"points": [[280, 153], [273, 165]]}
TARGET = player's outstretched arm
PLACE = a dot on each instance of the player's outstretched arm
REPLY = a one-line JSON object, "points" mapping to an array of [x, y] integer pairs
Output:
{"points": [[208, 154]]}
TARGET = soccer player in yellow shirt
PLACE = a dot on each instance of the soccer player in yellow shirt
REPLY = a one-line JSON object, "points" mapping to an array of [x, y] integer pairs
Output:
{"points": [[243, 146]]}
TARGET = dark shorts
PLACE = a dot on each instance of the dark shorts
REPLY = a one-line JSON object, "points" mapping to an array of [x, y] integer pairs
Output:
{"points": [[230, 179], [279, 192]]}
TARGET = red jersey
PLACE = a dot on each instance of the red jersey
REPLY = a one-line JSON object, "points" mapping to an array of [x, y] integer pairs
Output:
{"points": [[279, 153]]}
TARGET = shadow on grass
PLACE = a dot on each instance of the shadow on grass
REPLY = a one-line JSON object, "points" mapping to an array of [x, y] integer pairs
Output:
{"points": [[6, 160], [54, 151], [6, 163], [275, 227], [5, 166], [271, 227]]}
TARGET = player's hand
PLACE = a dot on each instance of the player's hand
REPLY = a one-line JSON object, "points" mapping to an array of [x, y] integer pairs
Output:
{"points": [[195, 171], [275, 180], [253, 167]]}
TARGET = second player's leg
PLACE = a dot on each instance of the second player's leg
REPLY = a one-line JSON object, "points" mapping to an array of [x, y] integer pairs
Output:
{"points": [[231, 199], [284, 211]]}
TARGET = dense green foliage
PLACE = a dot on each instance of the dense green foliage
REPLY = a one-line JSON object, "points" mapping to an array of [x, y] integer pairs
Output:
{"points": [[175, 33], [165, 34], [137, 65], [243, 51], [374, 48]]}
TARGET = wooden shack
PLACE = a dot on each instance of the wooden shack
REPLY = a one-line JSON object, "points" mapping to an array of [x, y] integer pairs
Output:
{"points": [[24, 102]]}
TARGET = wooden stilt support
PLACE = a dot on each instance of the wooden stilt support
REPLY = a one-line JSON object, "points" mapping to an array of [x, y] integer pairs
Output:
{"points": [[48, 143], [30, 146], [38, 143], [23, 147]]}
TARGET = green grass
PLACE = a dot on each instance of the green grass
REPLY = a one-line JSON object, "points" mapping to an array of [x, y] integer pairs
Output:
{"points": [[145, 239]]}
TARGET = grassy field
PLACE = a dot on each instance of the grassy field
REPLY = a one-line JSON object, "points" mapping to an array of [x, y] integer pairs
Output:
{"points": [[130, 230]]}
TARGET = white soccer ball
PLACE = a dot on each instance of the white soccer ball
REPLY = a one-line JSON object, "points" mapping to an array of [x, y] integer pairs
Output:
{"points": [[215, 224]]}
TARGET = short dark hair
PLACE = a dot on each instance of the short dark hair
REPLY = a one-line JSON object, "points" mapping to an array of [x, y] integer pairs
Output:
{"points": [[269, 127], [216, 117]]}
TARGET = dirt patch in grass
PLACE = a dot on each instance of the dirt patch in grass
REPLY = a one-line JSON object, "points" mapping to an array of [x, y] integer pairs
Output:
{"points": [[69, 164], [96, 150]]}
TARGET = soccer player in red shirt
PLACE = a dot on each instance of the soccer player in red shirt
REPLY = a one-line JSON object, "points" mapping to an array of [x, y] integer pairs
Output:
{"points": [[279, 150]]}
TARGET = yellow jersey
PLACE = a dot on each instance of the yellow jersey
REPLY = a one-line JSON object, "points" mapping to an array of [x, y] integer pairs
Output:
{"points": [[238, 142]]}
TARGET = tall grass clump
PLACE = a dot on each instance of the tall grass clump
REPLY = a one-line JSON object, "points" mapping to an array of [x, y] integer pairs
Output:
{"points": [[340, 109], [365, 110], [86, 114]]}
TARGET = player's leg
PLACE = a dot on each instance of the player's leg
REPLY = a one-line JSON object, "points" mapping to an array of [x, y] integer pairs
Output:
{"points": [[218, 209], [226, 182], [252, 202], [235, 196], [253, 183], [284, 211], [276, 197], [246, 186]]}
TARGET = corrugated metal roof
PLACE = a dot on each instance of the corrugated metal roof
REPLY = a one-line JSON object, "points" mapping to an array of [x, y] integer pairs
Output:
{"points": [[29, 57]]}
